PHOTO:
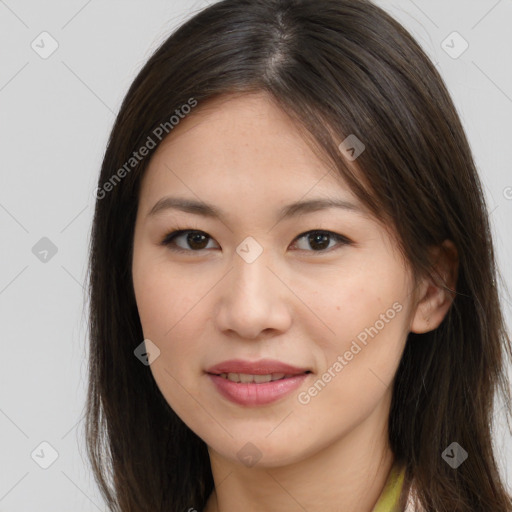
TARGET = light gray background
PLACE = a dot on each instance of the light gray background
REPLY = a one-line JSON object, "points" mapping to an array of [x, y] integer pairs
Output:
{"points": [[56, 114]]}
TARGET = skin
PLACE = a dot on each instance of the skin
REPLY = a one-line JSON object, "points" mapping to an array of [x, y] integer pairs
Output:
{"points": [[297, 302]]}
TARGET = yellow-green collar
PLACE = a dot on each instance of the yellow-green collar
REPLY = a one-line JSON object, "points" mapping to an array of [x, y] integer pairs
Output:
{"points": [[388, 500]]}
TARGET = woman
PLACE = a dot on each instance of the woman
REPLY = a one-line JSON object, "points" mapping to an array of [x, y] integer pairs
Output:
{"points": [[293, 287]]}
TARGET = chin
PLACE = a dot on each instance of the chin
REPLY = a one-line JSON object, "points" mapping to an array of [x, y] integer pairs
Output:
{"points": [[253, 451]]}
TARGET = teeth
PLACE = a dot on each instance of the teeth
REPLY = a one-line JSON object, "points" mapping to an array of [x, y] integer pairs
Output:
{"points": [[258, 379], [249, 378]]}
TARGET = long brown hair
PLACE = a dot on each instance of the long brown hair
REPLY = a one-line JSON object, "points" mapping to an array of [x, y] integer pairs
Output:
{"points": [[341, 67]]}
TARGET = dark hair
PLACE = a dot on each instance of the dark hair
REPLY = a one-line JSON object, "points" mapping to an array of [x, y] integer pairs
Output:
{"points": [[336, 67]]}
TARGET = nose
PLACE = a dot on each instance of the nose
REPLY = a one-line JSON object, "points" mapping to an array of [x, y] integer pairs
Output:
{"points": [[253, 301]]}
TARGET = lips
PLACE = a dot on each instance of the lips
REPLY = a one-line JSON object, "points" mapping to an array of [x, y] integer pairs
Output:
{"points": [[261, 367], [236, 379]]}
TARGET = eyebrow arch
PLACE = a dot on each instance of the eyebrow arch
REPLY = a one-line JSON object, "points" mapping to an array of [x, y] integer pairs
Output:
{"points": [[288, 211]]}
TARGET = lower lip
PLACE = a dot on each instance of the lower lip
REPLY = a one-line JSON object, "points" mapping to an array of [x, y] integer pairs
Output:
{"points": [[250, 393]]}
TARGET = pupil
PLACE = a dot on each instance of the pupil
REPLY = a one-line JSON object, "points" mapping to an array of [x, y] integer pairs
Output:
{"points": [[317, 237], [194, 237]]}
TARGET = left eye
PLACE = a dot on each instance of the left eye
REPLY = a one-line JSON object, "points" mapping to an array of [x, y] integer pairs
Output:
{"points": [[321, 239], [198, 239]]}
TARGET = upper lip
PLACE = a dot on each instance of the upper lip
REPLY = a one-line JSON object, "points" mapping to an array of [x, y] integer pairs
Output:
{"points": [[261, 367]]}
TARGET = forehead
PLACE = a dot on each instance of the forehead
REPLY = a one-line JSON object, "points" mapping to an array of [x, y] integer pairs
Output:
{"points": [[240, 144]]}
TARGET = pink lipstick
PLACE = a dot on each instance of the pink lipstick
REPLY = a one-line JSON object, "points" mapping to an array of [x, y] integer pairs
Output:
{"points": [[256, 383]]}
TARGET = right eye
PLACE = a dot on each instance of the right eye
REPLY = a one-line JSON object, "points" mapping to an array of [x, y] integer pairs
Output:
{"points": [[193, 238]]}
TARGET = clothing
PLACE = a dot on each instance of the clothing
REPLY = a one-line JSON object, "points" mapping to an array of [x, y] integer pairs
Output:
{"points": [[388, 500]]}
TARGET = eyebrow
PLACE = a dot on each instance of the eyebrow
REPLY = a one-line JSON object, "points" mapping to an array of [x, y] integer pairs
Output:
{"points": [[288, 211]]}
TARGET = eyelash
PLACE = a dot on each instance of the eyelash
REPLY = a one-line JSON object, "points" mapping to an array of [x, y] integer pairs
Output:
{"points": [[169, 239]]}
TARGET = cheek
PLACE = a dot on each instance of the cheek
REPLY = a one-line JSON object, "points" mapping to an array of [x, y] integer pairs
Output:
{"points": [[163, 298], [367, 316], [169, 304], [359, 365], [354, 303], [166, 312]]}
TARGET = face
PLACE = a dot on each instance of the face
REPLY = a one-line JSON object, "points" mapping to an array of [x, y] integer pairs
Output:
{"points": [[253, 284]]}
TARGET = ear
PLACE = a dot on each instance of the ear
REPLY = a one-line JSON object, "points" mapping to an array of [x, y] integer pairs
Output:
{"points": [[436, 294]]}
